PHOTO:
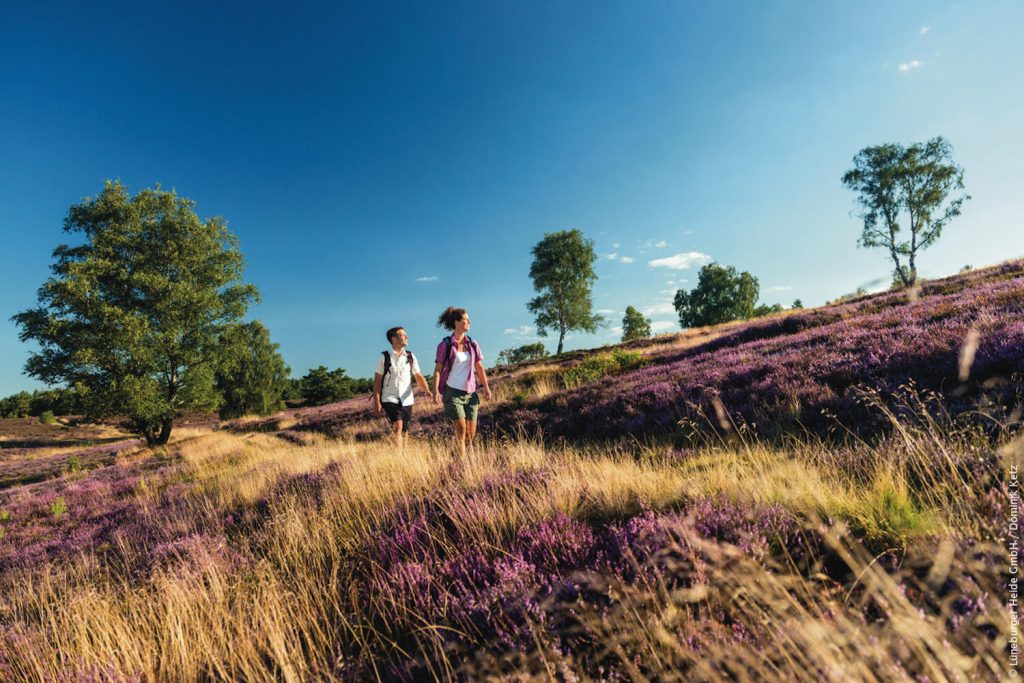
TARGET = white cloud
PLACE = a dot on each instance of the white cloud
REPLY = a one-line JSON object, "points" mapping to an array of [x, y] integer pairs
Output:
{"points": [[912, 64], [660, 309], [617, 331], [779, 288], [606, 311], [626, 259], [680, 261], [662, 325], [669, 292], [427, 278], [521, 331], [616, 245], [661, 244], [620, 258], [925, 29]]}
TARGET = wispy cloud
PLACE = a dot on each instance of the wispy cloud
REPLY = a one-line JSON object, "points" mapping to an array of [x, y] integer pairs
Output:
{"points": [[779, 288], [912, 64], [662, 325], [680, 261], [660, 309], [606, 311], [661, 244], [521, 331], [427, 278], [620, 258], [925, 29], [616, 245]]}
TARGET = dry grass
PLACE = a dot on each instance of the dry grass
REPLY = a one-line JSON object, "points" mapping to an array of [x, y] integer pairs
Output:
{"points": [[293, 614]]}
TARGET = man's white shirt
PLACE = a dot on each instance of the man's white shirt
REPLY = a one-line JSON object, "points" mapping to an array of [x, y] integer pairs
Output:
{"points": [[398, 382]]}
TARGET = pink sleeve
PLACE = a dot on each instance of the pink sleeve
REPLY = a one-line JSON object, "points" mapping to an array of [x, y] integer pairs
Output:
{"points": [[439, 356]]}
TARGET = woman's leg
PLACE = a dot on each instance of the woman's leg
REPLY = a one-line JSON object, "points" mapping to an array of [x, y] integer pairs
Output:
{"points": [[460, 435], [470, 432]]}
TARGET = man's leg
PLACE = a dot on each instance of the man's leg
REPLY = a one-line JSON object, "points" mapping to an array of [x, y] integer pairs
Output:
{"points": [[470, 432], [399, 426]]}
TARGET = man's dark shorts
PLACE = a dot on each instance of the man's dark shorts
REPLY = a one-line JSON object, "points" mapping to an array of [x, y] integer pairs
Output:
{"points": [[396, 412]]}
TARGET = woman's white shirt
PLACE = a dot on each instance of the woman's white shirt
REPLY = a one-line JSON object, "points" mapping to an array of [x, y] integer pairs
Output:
{"points": [[461, 367]]}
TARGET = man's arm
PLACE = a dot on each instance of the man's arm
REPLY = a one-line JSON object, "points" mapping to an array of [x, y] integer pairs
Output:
{"points": [[378, 385], [421, 382]]}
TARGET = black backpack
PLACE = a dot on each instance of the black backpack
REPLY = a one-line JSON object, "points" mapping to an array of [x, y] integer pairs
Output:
{"points": [[387, 366]]}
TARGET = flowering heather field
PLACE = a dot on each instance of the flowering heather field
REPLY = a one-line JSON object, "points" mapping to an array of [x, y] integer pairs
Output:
{"points": [[302, 547]]}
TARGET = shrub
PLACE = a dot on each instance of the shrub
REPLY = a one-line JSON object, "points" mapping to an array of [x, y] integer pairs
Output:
{"points": [[47, 417], [602, 365]]}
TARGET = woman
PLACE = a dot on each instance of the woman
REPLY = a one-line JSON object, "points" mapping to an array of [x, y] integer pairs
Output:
{"points": [[458, 370]]}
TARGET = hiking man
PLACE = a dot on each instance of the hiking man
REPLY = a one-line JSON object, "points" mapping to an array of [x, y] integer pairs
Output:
{"points": [[392, 383]]}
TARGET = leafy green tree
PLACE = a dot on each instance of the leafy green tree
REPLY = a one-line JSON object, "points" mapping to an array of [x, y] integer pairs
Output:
{"points": [[635, 325], [797, 304], [722, 294], [16, 405], [253, 375], [563, 275], [320, 386], [132, 315], [908, 187], [521, 354]]}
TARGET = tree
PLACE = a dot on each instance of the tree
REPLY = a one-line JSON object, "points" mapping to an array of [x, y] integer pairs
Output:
{"points": [[797, 304], [521, 354], [722, 294], [635, 325], [898, 187], [253, 376], [320, 386], [131, 317], [563, 275]]}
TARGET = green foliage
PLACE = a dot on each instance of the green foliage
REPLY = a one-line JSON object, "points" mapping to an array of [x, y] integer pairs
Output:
{"points": [[73, 464], [16, 405], [131, 316], [320, 386], [722, 294], [797, 304], [635, 325], [764, 309], [253, 375], [47, 417], [521, 354], [57, 401], [601, 365], [563, 275], [58, 507], [905, 187]]}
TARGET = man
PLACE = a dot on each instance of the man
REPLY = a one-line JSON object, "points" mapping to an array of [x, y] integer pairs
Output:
{"points": [[392, 383]]}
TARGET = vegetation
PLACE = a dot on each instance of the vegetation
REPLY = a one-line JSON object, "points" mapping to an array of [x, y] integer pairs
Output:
{"points": [[654, 528], [902, 193], [253, 375], [722, 294], [563, 275], [635, 325], [25, 404], [132, 316], [320, 386], [521, 354]]}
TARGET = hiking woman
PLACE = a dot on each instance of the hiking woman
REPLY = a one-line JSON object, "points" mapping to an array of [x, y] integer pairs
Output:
{"points": [[458, 370]]}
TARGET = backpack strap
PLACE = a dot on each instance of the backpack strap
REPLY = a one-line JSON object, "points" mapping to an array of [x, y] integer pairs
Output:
{"points": [[387, 369]]}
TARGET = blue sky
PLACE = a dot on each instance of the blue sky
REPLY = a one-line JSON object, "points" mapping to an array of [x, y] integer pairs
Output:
{"points": [[380, 161]]}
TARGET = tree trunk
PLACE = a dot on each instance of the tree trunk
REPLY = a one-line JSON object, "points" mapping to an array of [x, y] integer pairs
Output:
{"points": [[561, 338], [165, 432]]}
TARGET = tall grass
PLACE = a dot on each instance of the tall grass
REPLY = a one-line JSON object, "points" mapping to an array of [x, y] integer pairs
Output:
{"points": [[732, 561]]}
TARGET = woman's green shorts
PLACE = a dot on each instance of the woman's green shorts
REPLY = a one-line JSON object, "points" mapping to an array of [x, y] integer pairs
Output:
{"points": [[460, 405]]}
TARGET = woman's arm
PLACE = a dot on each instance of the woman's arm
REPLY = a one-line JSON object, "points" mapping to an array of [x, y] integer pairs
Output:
{"points": [[437, 380], [483, 380]]}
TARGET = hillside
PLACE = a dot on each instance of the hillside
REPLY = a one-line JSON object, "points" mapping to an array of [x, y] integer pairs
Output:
{"points": [[821, 495]]}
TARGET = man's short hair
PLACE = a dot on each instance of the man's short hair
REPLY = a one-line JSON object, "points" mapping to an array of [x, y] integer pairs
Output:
{"points": [[393, 332]]}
